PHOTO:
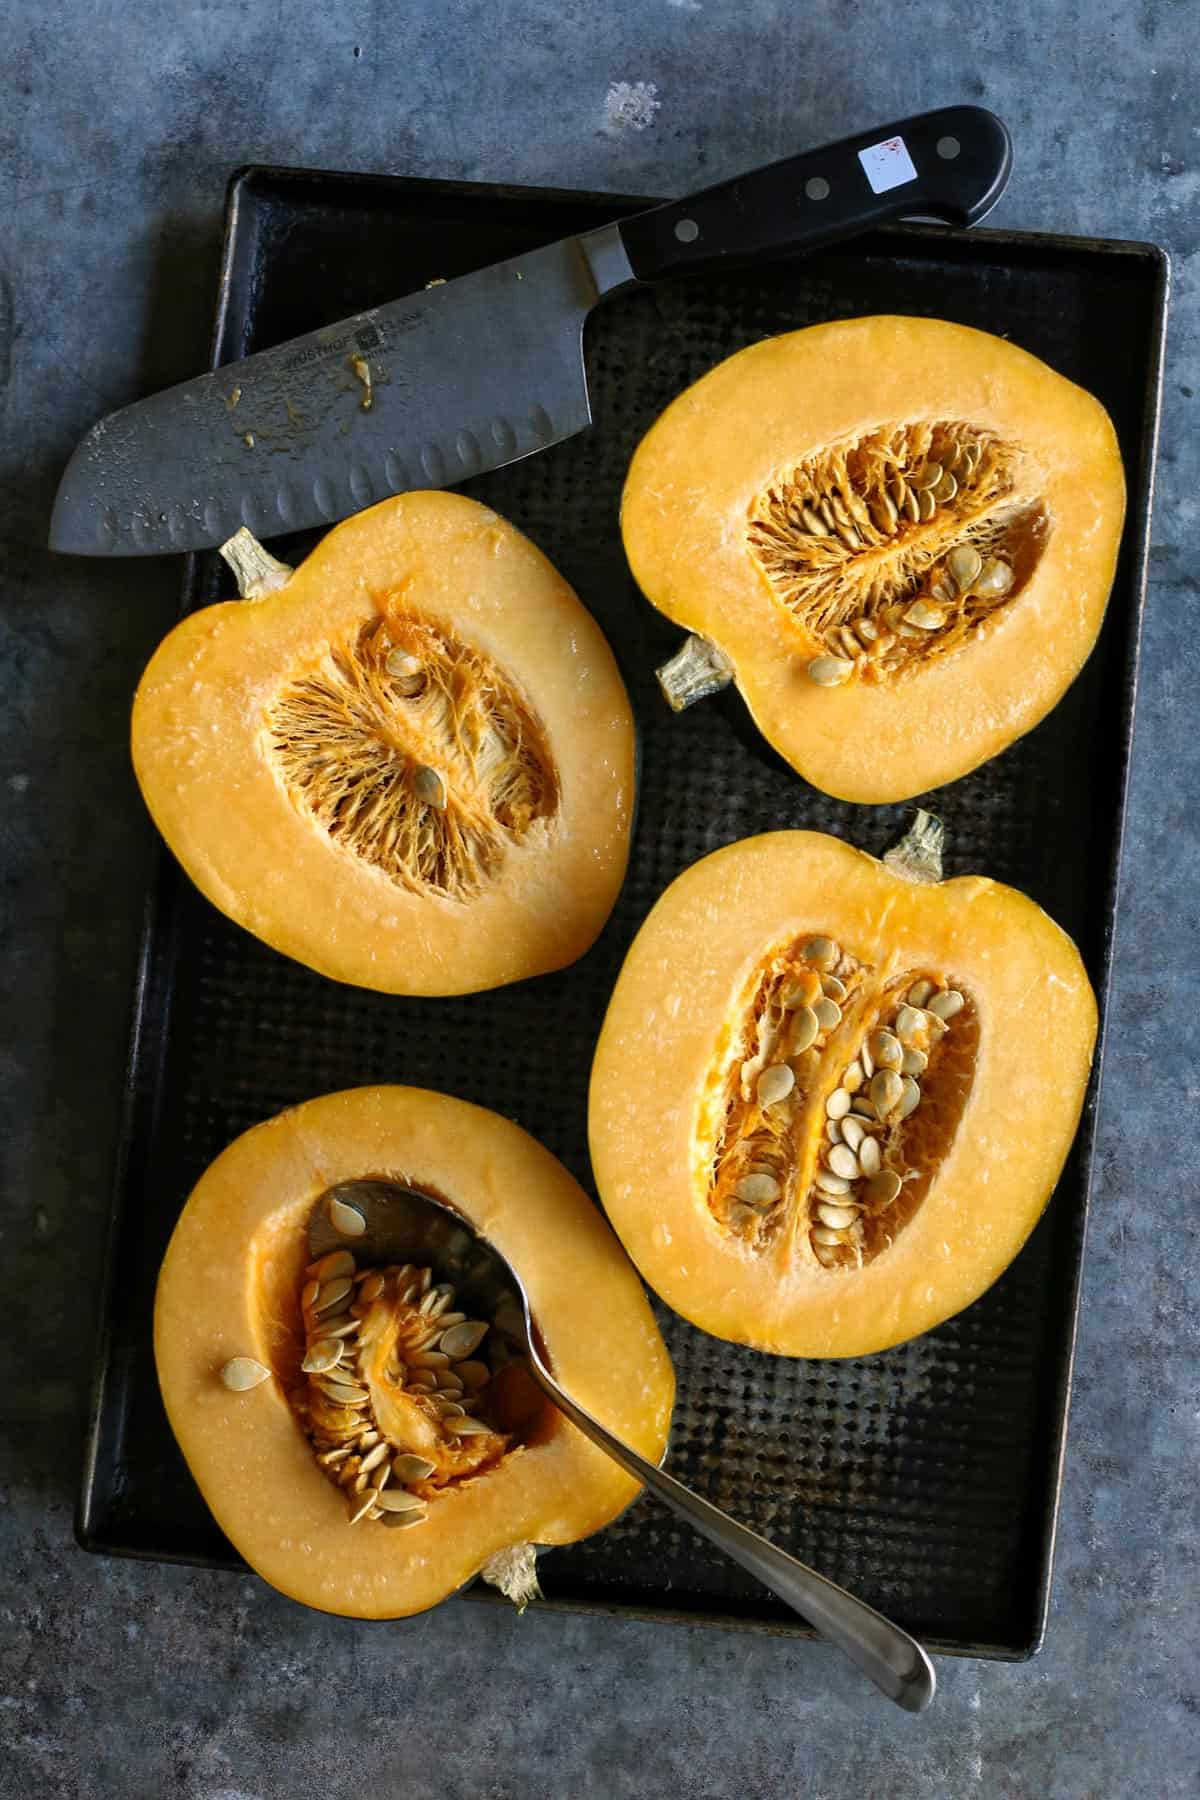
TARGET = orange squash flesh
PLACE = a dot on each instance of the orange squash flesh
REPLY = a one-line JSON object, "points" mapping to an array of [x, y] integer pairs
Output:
{"points": [[1002, 1122], [231, 810], [229, 1286], [700, 472]]}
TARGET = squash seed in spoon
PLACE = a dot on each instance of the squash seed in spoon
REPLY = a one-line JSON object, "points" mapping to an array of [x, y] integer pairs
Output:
{"points": [[408, 1467], [371, 1406], [342, 1393], [397, 1500], [338, 1262], [322, 1356], [347, 1221], [462, 1340], [339, 1325], [331, 1294], [374, 1458]]}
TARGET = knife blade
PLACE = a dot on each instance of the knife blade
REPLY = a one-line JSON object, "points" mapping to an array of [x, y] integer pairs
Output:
{"points": [[477, 372]]}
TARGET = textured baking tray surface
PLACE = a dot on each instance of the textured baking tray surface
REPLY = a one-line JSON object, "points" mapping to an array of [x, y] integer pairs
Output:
{"points": [[924, 1478]]}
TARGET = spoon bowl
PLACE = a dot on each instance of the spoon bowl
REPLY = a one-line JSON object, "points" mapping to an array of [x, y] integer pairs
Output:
{"points": [[385, 1222]]}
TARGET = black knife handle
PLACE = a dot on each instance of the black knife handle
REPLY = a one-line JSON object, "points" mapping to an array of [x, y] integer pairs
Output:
{"points": [[952, 165]]}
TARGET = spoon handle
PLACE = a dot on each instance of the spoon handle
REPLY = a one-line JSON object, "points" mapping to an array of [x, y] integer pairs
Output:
{"points": [[892, 1659]]}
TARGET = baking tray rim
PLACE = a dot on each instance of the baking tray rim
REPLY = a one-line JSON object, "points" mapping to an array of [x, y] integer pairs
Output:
{"points": [[165, 877]]}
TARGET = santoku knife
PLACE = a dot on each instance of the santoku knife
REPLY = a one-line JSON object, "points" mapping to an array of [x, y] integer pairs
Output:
{"points": [[480, 371]]}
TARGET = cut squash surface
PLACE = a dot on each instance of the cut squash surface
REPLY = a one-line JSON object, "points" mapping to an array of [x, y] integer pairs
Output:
{"points": [[830, 1100]]}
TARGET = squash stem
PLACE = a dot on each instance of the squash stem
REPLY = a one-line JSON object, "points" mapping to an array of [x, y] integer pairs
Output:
{"points": [[695, 671], [258, 572], [514, 1572], [918, 855]]}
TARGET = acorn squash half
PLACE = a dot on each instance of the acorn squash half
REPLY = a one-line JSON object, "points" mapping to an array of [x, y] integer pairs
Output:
{"points": [[832, 1096], [896, 535], [408, 763], [364, 1446]]}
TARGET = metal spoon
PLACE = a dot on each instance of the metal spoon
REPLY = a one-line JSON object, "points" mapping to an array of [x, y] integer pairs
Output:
{"points": [[401, 1225]]}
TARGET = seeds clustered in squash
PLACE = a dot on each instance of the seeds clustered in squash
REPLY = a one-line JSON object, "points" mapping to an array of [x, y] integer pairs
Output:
{"points": [[404, 1395], [897, 546]]}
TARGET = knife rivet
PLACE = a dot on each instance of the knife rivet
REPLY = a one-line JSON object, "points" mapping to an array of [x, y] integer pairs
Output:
{"points": [[948, 148], [687, 231], [817, 188]]}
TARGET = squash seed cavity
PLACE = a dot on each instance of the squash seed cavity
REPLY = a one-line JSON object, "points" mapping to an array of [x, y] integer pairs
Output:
{"points": [[831, 1117], [416, 754], [897, 547], [404, 1396]]}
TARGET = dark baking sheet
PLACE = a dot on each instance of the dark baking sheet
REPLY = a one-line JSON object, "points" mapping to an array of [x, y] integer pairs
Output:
{"points": [[926, 1478]]}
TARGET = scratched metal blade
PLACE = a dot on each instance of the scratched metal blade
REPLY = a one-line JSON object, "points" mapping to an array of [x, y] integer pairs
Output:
{"points": [[422, 392]]}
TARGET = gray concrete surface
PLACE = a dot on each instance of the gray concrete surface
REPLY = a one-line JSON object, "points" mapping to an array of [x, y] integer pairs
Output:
{"points": [[117, 130]]}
